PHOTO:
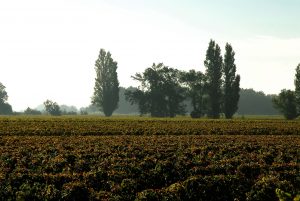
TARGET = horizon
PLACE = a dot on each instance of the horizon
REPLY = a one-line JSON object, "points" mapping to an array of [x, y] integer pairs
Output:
{"points": [[49, 48]]}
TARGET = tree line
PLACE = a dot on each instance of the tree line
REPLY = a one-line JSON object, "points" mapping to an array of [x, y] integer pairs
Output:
{"points": [[288, 101], [163, 89], [251, 102]]}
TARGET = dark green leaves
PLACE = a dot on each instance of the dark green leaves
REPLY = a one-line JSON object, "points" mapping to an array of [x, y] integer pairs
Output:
{"points": [[106, 90], [231, 83]]}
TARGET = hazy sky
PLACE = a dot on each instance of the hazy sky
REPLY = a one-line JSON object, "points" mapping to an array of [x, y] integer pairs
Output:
{"points": [[48, 48]]}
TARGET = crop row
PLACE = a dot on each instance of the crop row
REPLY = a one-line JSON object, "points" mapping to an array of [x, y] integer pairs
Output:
{"points": [[45, 126], [148, 167]]}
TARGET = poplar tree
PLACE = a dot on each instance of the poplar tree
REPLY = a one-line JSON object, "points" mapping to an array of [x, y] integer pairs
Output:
{"points": [[231, 83], [106, 90], [213, 64]]}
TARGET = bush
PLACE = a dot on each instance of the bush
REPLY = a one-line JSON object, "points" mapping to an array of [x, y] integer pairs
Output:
{"points": [[30, 111]]}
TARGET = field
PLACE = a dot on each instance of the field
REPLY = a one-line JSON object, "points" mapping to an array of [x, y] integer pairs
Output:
{"points": [[91, 158]]}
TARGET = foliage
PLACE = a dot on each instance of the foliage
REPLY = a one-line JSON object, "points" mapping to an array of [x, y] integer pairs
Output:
{"points": [[163, 90], [255, 103], [3, 93], [231, 83], [68, 110], [30, 111], [160, 92], [106, 90], [213, 64], [52, 108], [140, 98], [5, 108], [195, 83], [148, 167], [284, 196], [286, 103], [82, 126], [124, 106], [250, 103]]}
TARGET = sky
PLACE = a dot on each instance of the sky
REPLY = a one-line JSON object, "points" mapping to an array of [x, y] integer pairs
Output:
{"points": [[48, 48]]}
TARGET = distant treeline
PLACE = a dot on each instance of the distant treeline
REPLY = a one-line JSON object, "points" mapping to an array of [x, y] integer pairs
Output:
{"points": [[251, 103]]}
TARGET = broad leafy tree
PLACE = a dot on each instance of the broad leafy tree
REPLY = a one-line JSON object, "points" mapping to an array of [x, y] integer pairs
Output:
{"points": [[231, 83], [140, 98], [285, 102], [5, 108], [30, 111], [106, 90], [288, 102], [174, 92], [195, 83], [213, 64], [160, 92], [52, 108], [3, 93]]}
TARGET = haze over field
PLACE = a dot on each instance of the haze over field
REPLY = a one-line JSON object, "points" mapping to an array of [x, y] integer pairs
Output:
{"points": [[48, 48]]}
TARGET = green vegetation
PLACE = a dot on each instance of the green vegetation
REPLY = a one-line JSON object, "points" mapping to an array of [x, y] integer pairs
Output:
{"points": [[255, 103], [52, 108], [195, 86], [92, 158], [231, 83], [92, 125], [288, 101], [161, 93], [213, 64], [163, 90], [106, 90], [166, 92], [5, 108], [286, 104], [30, 111]]}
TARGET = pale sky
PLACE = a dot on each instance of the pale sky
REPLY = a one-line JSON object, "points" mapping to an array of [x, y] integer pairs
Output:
{"points": [[48, 48]]}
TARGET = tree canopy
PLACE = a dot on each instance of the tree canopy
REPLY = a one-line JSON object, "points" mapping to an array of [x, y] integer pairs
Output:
{"points": [[231, 83], [195, 85], [288, 101], [163, 90], [5, 108], [106, 90], [213, 64], [160, 92], [286, 104], [52, 108]]}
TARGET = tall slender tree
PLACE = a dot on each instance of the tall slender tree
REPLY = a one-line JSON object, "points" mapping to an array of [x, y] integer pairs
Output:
{"points": [[213, 64], [106, 90], [231, 83]]}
